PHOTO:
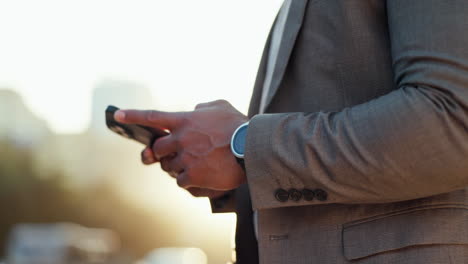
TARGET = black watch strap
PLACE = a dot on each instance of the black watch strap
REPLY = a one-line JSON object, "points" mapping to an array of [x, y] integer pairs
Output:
{"points": [[241, 163]]}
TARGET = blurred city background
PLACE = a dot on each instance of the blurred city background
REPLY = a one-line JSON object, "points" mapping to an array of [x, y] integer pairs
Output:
{"points": [[70, 190]]}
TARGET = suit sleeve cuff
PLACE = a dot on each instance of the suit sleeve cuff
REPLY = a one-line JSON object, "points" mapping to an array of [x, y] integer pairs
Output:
{"points": [[271, 182]]}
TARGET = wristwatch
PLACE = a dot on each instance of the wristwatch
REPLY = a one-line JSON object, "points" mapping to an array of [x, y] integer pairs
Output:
{"points": [[238, 143]]}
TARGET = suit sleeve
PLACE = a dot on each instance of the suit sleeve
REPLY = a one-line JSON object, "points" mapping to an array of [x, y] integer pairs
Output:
{"points": [[408, 144]]}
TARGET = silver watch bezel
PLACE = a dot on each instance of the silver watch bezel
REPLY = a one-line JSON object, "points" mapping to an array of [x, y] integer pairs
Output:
{"points": [[238, 155]]}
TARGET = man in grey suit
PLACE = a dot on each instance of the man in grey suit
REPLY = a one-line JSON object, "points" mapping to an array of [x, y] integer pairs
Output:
{"points": [[356, 149]]}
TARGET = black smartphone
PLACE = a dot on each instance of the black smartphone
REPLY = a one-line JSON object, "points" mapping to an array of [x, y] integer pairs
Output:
{"points": [[143, 134]]}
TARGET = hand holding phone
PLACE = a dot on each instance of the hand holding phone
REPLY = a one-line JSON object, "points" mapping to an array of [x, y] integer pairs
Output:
{"points": [[143, 134]]}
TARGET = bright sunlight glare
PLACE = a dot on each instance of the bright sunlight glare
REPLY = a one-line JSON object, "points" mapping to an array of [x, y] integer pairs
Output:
{"points": [[54, 52]]}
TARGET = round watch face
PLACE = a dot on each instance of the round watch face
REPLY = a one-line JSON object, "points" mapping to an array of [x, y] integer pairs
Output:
{"points": [[238, 144]]}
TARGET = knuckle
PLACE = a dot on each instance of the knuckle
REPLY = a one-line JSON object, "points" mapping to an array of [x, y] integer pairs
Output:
{"points": [[188, 177], [173, 174], [181, 181], [165, 165], [193, 177], [188, 174], [196, 192], [172, 166]]}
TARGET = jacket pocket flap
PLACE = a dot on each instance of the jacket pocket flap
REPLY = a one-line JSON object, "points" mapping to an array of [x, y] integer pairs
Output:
{"points": [[419, 226]]}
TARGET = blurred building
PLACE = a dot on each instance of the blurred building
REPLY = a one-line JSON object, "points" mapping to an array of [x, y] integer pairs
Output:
{"points": [[88, 158], [17, 123], [60, 243]]}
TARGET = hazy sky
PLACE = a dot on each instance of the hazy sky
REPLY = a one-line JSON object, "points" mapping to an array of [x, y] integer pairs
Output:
{"points": [[53, 52]]}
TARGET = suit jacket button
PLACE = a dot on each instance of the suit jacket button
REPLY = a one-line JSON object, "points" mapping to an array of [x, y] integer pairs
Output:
{"points": [[308, 194], [282, 195], [321, 195], [295, 195]]}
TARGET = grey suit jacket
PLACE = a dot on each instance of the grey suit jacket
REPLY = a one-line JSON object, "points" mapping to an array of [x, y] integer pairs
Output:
{"points": [[363, 157]]}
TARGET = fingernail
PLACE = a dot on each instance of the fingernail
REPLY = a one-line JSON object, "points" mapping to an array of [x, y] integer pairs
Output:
{"points": [[119, 115], [149, 161]]}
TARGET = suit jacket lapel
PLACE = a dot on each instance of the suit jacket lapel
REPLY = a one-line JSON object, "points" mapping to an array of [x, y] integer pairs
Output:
{"points": [[292, 28], [260, 79]]}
